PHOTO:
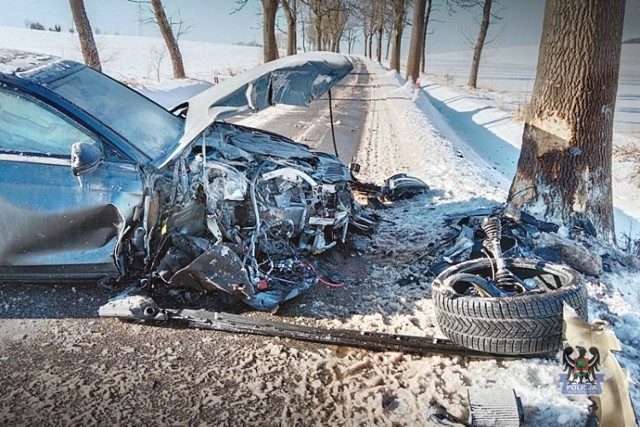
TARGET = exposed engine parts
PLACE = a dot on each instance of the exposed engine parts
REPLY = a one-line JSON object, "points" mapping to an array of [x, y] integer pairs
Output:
{"points": [[246, 210]]}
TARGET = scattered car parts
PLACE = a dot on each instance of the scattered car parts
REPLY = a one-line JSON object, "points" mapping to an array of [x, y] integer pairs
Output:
{"points": [[397, 187], [494, 406], [144, 308], [506, 306]]}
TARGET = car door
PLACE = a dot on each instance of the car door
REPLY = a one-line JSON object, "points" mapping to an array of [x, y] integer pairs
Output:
{"points": [[54, 224]]}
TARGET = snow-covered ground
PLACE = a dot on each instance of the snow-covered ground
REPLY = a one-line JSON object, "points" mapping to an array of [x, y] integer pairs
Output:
{"points": [[407, 133], [464, 144], [484, 118]]}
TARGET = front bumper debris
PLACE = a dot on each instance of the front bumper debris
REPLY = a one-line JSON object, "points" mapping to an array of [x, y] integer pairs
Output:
{"points": [[144, 308]]}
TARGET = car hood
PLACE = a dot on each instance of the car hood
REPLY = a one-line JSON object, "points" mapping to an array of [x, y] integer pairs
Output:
{"points": [[294, 80]]}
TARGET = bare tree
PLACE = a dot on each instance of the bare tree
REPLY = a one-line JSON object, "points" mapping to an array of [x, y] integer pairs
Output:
{"points": [[269, 43], [427, 16], [269, 46], [399, 15], [564, 170], [329, 18], [290, 8], [388, 29], [318, 9], [337, 14], [171, 30], [379, 11], [304, 24], [351, 32], [415, 46], [169, 39], [363, 13], [477, 50], [87, 42], [486, 20]]}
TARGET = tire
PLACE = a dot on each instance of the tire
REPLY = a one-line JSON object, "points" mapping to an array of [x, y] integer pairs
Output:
{"points": [[526, 324]]}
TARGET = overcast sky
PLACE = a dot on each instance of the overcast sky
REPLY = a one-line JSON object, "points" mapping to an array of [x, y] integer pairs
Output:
{"points": [[211, 20]]}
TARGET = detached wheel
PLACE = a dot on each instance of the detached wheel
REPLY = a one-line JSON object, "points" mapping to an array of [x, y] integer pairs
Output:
{"points": [[522, 324]]}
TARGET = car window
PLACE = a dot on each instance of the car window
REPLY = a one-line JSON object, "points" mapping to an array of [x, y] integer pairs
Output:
{"points": [[145, 124], [30, 126]]}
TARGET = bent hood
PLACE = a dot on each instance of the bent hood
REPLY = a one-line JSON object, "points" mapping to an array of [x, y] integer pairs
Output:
{"points": [[294, 80]]}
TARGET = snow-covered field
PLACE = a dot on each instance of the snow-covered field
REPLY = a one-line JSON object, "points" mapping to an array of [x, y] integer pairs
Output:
{"points": [[464, 144], [484, 118]]}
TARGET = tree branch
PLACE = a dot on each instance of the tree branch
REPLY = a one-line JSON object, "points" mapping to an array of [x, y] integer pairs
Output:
{"points": [[240, 3]]}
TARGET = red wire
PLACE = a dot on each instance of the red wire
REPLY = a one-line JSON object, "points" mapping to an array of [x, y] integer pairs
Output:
{"points": [[326, 282], [333, 285]]}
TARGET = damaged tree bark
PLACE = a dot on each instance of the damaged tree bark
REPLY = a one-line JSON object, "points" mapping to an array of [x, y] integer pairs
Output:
{"points": [[564, 170]]}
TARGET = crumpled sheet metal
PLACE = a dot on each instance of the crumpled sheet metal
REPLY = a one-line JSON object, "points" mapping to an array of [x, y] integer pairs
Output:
{"points": [[614, 405], [218, 269], [294, 80], [221, 269], [132, 307], [34, 238]]}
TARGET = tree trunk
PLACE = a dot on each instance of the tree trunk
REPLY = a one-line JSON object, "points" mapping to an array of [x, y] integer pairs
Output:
{"points": [[318, 27], [291, 16], [304, 33], [371, 46], [395, 53], [477, 51], [415, 46], [386, 54], [423, 60], [169, 39], [564, 170], [379, 44], [366, 41], [87, 43], [399, 12], [270, 47], [318, 34]]}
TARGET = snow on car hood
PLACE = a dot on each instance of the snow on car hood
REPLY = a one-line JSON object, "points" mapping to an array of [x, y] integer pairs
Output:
{"points": [[294, 80]]}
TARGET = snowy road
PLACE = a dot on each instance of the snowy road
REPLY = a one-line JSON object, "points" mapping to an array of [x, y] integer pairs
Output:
{"points": [[82, 370], [311, 125]]}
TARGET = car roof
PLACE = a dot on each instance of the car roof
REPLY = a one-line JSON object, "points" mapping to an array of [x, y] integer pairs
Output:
{"points": [[35, 67], [14, 61]]}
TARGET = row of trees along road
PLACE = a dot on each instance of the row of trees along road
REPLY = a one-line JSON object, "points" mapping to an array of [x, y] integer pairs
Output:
{"points": [[564, 170]]}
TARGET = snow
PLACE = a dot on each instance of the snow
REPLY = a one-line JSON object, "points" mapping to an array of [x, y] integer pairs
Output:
{"points": [[134, 60], [464, 143], [485, 117]]}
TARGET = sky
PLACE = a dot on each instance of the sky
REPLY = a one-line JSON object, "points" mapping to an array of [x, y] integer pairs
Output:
{"points": [[213, 20]]}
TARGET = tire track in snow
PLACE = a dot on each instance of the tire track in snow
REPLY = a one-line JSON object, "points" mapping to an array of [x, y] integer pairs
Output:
{"points": [[386, 148], [401, 136], [376, 155]]}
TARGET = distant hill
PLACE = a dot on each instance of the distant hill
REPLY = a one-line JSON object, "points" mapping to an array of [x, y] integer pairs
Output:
{"points": [[635, 40]]}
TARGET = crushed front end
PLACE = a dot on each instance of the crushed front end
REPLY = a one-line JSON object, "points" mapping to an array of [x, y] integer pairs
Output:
{"points": [[242, 212]]}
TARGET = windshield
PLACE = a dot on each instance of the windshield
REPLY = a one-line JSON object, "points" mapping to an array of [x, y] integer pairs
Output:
{"points": [[146, 125]]}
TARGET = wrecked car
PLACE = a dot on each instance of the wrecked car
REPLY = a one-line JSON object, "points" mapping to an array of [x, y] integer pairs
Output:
{"points": [[98, 181]]}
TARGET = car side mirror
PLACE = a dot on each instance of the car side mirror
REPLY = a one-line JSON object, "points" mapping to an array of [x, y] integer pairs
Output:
{"points": [[85, 158]]}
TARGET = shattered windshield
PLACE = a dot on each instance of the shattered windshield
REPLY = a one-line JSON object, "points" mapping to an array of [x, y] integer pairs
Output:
{"points": [[146, 125]]}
